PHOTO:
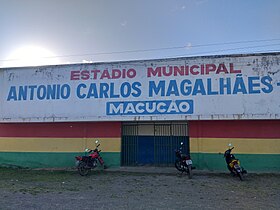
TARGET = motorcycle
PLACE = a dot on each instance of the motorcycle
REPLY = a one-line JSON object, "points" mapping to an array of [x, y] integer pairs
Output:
{"points": [[85, 163], [233, 164], [183, 162]]}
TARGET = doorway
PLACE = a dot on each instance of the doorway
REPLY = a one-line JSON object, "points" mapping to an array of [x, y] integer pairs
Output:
{"points": [[152, 143]]}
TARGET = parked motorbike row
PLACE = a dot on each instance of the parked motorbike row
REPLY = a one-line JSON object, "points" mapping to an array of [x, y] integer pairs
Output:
{"points": [[183, 162]]}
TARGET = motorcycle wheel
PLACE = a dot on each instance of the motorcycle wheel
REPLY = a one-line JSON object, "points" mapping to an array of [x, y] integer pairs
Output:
{"points": [[240, 175], [190, 173], [94, 163], [179, 166], [83, 170]]}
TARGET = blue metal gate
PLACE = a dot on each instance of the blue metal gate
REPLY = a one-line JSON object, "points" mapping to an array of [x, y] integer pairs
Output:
{"points": [[152, 143]]}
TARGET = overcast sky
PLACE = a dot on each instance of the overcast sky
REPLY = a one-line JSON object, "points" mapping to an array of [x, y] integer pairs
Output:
{"points": [[110, 30]]}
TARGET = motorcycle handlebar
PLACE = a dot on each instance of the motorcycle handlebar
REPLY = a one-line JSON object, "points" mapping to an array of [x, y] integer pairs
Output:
{"points": [[230, 149], [91, 150]]}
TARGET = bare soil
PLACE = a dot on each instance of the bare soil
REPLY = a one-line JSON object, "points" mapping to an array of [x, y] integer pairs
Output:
{"points": [[136, 189]]}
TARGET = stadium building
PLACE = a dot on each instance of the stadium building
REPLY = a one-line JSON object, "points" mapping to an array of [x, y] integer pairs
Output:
{"points": [[141, 110]]}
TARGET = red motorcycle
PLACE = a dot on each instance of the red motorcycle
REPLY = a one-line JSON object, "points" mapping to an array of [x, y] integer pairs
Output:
{"points": [[85, 163]]}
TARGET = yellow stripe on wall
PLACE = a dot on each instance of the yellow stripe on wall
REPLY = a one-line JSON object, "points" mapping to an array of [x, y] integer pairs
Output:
{"points": [[106, 144], [58, 144], [241, 146]]}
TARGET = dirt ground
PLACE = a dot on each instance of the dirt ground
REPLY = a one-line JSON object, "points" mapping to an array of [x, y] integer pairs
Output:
{"points": [[136, 189]]}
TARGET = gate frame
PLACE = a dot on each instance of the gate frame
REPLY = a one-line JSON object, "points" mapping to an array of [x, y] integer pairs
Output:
{"points": [[125, 158]]}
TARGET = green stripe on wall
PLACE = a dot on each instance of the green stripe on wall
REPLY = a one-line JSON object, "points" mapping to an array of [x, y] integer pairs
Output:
{"points": [[51, 159], [251, 162]]}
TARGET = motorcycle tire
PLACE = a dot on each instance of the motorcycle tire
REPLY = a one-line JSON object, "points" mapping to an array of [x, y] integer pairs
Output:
{"points": [[179, 166], [190, 173], [82, 169], [240, 175], [94, 163]]}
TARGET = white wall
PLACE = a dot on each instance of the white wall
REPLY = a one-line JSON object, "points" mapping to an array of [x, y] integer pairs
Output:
{"points": [[212, 87]]}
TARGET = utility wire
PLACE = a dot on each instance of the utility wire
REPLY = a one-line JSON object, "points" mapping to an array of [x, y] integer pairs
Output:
{"points": [[170, 48], [165, 48], [239, 42], [222, 50]]}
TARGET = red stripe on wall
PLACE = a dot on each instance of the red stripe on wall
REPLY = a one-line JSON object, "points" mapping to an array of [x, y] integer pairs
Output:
{"points": [[235, 128], [62, 130]]}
